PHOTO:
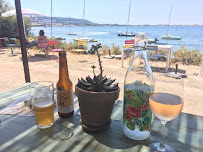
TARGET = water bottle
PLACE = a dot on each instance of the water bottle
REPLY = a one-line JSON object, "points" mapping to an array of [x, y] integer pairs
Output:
{"points": [[138, 86]]}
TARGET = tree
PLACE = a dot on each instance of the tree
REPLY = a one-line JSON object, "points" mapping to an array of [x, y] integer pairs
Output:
{"points": [[4, 6], [8, 25]]}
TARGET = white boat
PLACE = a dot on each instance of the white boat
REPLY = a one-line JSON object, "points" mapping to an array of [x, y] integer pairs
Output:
{"points": [[84, 38], [149, 40], [168, 36], [126, 34]]}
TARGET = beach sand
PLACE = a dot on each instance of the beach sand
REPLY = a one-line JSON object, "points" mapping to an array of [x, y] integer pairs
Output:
{"points": [[42, 68]]}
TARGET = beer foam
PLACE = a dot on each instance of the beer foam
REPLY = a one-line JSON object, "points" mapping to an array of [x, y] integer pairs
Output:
{"points": [[43, 103]]}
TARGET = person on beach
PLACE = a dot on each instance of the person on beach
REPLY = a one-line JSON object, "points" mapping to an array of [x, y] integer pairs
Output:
{"points": [[43, 42], [41, 38]]}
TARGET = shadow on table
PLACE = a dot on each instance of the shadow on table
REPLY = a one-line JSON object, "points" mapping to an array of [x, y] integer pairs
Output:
{"points": [[114, 137], [67, 134]]}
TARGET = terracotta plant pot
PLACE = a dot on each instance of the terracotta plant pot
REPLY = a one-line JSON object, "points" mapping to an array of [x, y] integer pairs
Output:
{"points": [[96, 108]]}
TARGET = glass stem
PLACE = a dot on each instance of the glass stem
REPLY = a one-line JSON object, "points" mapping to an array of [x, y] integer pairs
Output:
{"points": [[163, 134]]}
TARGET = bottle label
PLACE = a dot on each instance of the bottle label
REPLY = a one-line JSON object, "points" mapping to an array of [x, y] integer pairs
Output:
{"points": [[65, 101], [137, 113]]}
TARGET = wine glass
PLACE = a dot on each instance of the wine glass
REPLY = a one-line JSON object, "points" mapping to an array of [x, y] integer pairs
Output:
{"points": [[166, 103]]}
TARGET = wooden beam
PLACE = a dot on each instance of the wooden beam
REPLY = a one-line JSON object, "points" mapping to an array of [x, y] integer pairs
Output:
{"points": [[22, 40]]}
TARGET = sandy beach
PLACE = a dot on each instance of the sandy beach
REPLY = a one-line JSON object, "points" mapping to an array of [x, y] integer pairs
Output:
{"points": [[42, 68]]}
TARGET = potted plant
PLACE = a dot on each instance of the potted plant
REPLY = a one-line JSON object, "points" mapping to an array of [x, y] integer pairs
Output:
{"points": [[96, 97]]}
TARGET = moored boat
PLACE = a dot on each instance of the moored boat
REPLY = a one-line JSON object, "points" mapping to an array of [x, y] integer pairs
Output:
{"points": [[126, 34], [85, 39], [71, 33], [170, 37], [149, 40], [57, 38], [60, 38], [152, 40], [93, 40]]}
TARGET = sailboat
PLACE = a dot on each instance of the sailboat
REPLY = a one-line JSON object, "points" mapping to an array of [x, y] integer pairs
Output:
{"points": [[84, 38], [168, 36], [126, 33]]}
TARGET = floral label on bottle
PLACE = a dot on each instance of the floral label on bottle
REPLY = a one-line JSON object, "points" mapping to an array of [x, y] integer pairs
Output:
{"points": [[65, 101], [137, 113]]}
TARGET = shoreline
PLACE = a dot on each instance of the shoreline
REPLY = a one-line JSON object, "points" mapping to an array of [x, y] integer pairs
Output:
{"points": [[104, 25]]}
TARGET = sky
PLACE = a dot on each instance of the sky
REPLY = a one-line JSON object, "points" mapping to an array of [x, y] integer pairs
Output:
{"points": [[116, 11]]}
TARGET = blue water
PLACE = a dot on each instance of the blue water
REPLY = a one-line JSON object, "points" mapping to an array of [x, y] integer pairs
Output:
{"points": [[192, 36]]}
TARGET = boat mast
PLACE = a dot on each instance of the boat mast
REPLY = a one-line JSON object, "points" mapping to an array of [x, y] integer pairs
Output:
{"points": [[51, 18], [83, 18], [128, 15], [169, 19]]}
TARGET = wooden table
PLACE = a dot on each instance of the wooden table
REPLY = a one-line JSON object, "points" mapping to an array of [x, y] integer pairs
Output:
{"points": [[167, 48], [53, 55], [19, 133]]}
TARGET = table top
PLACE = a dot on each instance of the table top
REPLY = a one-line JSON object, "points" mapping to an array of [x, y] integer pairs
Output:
{"points": [[161, 46], [19, 133], [57, 50]]}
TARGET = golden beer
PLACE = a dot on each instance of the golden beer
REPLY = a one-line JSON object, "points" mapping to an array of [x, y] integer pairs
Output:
{"points": [[44, 113]]}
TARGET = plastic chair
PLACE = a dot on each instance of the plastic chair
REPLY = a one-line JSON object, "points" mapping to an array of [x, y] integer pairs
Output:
{"points": [[129, 44], [154, 56], [43, 46], [1, 39], [12, 46], [53, 48], [79, 52]]}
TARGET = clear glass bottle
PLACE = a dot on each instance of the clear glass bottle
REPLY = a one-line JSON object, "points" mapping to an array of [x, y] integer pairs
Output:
{"points": [[138, 86]]}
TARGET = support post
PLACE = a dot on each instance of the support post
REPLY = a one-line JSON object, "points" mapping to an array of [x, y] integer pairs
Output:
{"points": [[22, 40]]}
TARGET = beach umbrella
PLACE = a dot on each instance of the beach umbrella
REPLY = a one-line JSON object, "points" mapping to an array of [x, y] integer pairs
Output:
{"points": [[25, 12]]}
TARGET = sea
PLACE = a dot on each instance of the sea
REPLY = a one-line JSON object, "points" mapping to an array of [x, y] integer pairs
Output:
{"points": [[192, 36]]}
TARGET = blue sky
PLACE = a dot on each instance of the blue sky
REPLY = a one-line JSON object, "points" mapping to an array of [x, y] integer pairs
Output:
{"points": [[116, 11]]}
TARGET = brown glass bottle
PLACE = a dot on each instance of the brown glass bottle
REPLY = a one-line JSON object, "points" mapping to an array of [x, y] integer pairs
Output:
{"points": [[64, 89]]}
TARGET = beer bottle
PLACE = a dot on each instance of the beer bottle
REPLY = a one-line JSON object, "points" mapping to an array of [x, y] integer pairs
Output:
{"points": [[64, 89]]}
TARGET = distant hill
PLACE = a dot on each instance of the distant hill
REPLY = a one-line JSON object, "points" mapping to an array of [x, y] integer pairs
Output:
{"points": [[60, 21]]}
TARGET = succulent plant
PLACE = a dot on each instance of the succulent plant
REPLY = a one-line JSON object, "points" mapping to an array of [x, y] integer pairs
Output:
{"points": [[94, 85], [99, 83]]}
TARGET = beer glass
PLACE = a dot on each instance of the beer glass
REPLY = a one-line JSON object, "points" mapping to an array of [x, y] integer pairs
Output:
{"points": [[42, 97]]}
